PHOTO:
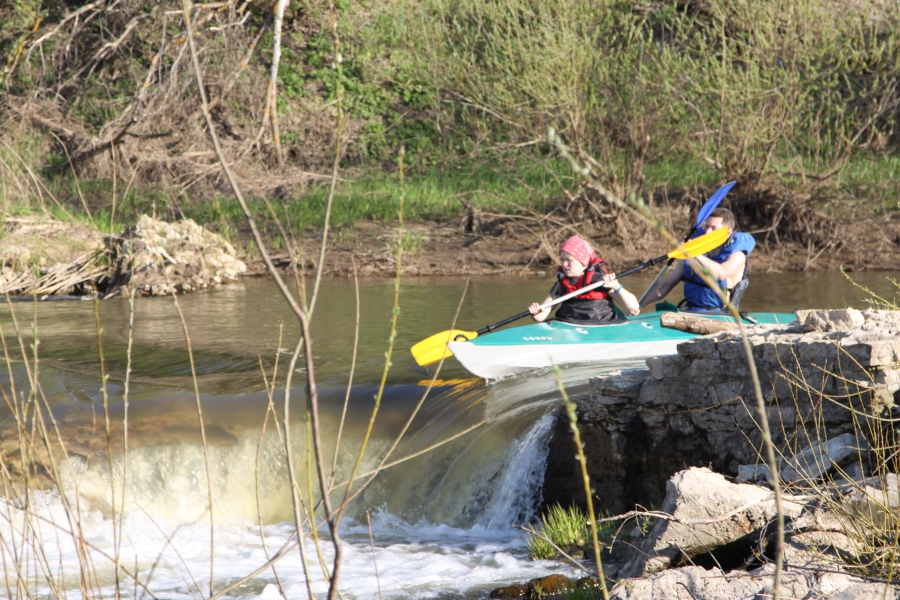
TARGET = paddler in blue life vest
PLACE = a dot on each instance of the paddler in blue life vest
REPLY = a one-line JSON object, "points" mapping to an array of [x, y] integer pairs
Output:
{"points": [[580, 266], [728, 264]]}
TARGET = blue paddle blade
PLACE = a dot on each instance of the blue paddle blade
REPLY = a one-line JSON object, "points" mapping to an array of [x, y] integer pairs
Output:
{"points": [[713, 202]]}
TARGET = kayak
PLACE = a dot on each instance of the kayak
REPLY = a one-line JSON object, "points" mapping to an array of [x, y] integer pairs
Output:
{"points": [[540, 345]]}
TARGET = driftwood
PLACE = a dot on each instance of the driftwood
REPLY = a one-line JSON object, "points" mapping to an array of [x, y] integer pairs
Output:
{"points": [[692, 324]]}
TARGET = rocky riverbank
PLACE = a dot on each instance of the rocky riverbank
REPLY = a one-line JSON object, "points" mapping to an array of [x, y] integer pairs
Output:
{"points": [[830, 383], [714, 540]]}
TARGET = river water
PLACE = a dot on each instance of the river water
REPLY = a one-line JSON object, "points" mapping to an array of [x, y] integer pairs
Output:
{"points": [[469, 466]]}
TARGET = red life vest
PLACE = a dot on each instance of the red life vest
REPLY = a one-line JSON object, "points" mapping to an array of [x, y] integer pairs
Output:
{"points": [[594, 272]]}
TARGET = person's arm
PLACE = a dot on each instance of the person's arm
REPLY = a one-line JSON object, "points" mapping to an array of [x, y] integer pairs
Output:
{"points": [[667, 285], [535, 309], [622, 297], [726, 271]]}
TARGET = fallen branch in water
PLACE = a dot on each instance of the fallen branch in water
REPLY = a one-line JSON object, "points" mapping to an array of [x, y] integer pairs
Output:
{"points": [[692, 324]]}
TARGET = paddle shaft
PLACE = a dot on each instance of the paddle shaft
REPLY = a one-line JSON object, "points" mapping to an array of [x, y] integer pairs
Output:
{"points": [[667, 266], [578, 292]]}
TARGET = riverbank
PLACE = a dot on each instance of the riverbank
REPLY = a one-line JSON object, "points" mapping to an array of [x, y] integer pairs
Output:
{"points": [[504, 245], [80, 259]]}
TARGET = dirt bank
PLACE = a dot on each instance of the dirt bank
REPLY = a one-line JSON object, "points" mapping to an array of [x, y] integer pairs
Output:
{"points": [[510, 247], [74, 258]]}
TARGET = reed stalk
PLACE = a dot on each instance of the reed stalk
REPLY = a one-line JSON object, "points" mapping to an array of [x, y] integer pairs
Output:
{"points": [[209, 488], [383, 463], [296, 498], [337, 440], [588, 491], [109, 448], [270, 390], [374, 558], [335, 166], [395, 314]]}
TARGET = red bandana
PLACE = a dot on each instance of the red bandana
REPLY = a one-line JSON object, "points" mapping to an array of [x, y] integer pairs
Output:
{"points": [[579, 249]]}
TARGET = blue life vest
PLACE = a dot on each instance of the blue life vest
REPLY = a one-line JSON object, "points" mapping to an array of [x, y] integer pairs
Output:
{"points": [[696, 292]]}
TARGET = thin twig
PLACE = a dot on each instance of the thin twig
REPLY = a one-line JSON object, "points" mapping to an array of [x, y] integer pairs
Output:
{"points": [[579, 448], [273, 79], [339, 131], [212, 529], [537, 534], [374, 560], [337, 441]]}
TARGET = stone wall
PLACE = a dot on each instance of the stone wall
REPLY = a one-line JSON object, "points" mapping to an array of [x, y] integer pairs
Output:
{"points": [[697, 407]]}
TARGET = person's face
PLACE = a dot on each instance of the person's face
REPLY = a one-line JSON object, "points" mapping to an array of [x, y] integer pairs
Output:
{"points": [[715, 223], [571, 266]]}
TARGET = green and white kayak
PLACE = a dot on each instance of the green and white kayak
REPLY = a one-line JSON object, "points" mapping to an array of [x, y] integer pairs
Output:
{"points": [[539, 345]]}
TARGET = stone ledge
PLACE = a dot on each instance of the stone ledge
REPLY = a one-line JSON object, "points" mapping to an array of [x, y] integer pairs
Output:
{"points": [[698, 408]]}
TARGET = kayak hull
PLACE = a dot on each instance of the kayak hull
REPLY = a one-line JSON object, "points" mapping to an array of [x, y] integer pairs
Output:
{"points": [[541, 345]]}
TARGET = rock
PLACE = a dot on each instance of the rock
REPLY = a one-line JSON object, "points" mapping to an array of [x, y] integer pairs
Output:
{"points": [[710, 513], [754, 473], [509, 592], [865, 591], [843, 319], [818, 459], [587, 583], [879, 495], [697, 408], [817, 532], [697, 583], [551, 585]]}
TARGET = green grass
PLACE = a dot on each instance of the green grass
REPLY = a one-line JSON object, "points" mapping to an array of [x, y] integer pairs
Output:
{"points": [[872, 177], [492, 187], [518, 185], [678, 172], [565, 527]]}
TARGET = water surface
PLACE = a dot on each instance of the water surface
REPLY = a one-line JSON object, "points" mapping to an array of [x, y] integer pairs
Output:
{"points": [[468, 466]]}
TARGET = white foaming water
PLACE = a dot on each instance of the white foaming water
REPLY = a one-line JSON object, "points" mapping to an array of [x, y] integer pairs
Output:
{"points": [[172, 557]]}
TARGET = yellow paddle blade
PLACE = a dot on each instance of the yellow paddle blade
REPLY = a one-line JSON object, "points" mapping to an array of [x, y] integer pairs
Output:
{"points": [[434, 348], [701, 245]]}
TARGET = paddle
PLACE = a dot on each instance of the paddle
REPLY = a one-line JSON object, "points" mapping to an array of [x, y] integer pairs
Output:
{"points": [[704, 213], [434, 348]]}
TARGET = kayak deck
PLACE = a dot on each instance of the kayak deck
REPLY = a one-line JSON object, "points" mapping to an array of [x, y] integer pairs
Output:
{"points": [[540, 345]]}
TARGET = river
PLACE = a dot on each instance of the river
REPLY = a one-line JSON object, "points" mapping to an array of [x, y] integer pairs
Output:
{"points": [[469, 467]]}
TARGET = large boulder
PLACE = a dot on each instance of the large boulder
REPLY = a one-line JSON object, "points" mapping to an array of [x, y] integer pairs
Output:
{"points": [[819, 458], [707, 512], [812, 462]]}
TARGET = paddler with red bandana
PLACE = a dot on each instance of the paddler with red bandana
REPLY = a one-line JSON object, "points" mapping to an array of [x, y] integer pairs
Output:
{"points": [[580, 266]]}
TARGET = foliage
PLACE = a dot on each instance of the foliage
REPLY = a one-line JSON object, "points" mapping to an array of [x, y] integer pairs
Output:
{"points": [[563, 526], [659, 93]]}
